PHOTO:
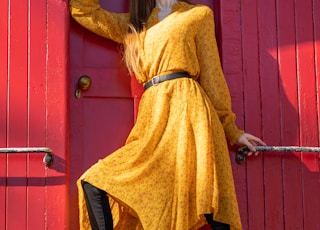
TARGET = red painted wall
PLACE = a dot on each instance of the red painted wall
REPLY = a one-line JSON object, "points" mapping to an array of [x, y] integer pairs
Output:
{"points": [[270, 55], [33, 112]]}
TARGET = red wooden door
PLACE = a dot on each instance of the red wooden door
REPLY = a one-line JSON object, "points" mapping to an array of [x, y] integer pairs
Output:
{"points": [[102, 118], [33, 73]]}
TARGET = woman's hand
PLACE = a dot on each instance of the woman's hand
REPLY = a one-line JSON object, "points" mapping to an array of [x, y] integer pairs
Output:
{"points": [[250, 141]]}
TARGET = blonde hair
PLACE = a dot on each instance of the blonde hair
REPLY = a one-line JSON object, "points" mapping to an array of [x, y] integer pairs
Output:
{"points": [[133, 50]]}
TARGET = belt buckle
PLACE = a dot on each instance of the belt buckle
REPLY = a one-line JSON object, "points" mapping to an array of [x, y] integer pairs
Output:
{"points": [[155, 80]]}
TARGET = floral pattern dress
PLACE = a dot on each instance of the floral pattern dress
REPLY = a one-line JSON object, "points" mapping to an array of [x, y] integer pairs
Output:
{"points": [[175, 165]]}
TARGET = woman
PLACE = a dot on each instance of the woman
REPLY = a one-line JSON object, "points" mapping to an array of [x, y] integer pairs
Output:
{"points": [[174, 171]]}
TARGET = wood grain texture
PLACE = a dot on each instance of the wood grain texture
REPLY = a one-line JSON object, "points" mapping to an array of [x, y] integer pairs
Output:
{"points": [[307, 97], [27, 190], [3, 106], [17, 111], [36, 188], [57, 110], [270, 54]]}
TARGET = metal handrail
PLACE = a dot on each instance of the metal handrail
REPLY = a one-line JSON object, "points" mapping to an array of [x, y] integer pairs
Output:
{"points": [[241, 154], [47, 159]]}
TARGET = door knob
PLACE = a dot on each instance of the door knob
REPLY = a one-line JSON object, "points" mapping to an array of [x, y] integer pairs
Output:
{"points": [[84, 84]]}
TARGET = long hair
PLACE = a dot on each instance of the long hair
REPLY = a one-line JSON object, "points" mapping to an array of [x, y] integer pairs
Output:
{"points": [[139, 11]]}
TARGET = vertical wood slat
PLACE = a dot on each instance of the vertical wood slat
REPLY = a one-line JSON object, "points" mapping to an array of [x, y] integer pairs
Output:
{"points": [[316, 23], [271, 129], [36, 210], [23, 113], [307, 109], [252, 111], [58, 113], [292, 169], [286, 191], [17, 114], [3, 106], [311, 177], [76, 70], [231, 60]]}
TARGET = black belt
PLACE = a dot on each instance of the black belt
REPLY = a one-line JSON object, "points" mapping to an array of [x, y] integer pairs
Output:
{"points": [[158, 79]]}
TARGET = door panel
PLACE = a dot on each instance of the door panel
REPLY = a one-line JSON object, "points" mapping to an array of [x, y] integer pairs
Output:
{"points": [[107, 130], [103, 117], [108, 82]]}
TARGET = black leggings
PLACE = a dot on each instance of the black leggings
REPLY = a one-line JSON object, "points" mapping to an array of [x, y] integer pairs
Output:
{"points": [[100, 213], [98, 207], [214, 224]]}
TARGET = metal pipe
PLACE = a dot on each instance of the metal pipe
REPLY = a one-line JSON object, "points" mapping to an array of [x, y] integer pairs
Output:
{"points": [[241, 154], [47, 159], [26, 150]]}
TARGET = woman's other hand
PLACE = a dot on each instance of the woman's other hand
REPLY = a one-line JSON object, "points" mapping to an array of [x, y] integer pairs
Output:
{"points": [[250, 141]]}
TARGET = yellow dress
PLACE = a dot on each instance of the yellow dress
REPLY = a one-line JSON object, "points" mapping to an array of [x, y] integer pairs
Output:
{"points": [[175, 165]]}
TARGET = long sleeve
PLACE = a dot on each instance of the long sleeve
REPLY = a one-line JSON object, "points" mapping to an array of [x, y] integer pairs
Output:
{"points": [[212, 78], [110, 25]]}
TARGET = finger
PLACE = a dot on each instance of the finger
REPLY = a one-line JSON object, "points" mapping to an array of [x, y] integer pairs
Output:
{"points": [[257, 140], [251, 147], [256, 153]]}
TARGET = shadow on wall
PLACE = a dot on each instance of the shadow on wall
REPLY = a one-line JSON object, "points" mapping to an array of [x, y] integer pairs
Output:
{"points": [[26, 180]]}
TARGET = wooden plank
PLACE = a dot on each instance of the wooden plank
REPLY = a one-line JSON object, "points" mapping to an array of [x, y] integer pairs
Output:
{"points": [[252, 106], [36, 210], [76, 110], [17, 114], [106, 52], [57, 114], [231, 59], [316, 22], [271, 127], [292, 170], [308, 110], [107, 82], [116, 109], [109, 79], [3, 106]]}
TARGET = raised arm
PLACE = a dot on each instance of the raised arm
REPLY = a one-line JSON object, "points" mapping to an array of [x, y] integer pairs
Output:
{"points": [[212, 78], [90, 15]]}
